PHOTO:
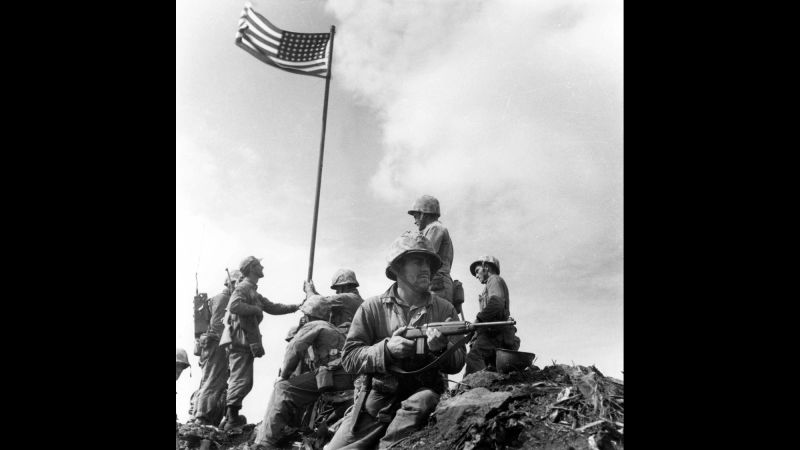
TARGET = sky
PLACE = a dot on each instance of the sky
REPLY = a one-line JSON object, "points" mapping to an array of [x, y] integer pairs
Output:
{"points": [[509, 112]]}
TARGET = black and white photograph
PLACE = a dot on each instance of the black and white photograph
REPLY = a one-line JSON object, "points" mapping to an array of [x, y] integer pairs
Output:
{"points": [[399, 224]]}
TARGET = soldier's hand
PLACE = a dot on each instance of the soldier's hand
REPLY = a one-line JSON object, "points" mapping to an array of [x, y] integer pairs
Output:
{"points": [[257, 350], [436, 340], [308, 287], [400, 347]]}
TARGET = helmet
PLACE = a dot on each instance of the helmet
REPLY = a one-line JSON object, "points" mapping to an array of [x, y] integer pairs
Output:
{"points": [[343, 277], [245, 264], [235, 275], [488, 260], [316, 306], [410, 242], [181, 356], [426, 204]]}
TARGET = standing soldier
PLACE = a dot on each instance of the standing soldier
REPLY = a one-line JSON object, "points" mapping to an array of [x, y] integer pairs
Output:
{"points": [[294, 393], [495, 305], [209, 403], [425, 211], [390, 405], [245, 312]]}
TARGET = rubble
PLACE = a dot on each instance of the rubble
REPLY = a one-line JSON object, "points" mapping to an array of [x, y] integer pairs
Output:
{"points": [[191, 436], [559, 407]]}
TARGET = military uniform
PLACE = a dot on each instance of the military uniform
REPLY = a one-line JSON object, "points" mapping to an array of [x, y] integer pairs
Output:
{"points": [[291, 397], [343, 306], [441, 282], [494, 307], [210, 401], [397, 404], [245, 312]]}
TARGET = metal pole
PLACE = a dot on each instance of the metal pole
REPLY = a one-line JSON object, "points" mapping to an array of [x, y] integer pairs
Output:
{"points": [[321, 152]]}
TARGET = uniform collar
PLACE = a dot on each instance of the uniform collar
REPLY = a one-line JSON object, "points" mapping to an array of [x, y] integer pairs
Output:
{"points": [[390, 296], [247, 283], [435, 222]]}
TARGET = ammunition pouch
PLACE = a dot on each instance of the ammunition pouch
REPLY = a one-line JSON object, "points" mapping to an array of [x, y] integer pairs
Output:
{"points": [[325, 379]]}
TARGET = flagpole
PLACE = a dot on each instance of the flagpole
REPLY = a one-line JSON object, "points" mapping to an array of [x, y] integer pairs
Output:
{"points": [[321, 152]]}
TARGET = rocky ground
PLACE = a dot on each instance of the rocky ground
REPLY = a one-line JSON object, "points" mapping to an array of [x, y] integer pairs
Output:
{"points": [[560, 407]]}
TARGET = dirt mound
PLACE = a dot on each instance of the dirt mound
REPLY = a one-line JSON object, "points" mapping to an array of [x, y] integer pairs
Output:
{"points": [[560, 407], [557, 408]]}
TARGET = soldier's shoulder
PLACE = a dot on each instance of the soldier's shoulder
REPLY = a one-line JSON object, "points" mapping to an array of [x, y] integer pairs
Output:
{"points": [[496, 278], [224, 295], [244, 286], [245, 283], [354, 299], [438, 226], [316, 325], [373, 301]]}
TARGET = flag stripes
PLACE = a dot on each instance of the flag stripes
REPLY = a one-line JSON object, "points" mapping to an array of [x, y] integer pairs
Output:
{"points": [[300, 53]]}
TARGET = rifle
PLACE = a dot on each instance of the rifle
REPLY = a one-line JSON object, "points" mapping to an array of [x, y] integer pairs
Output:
{"points": [[201, 314], [230, 283], [419, 334]]}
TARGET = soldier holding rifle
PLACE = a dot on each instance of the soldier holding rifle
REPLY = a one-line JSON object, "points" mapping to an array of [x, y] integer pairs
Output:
{"points": [[394, 403]]}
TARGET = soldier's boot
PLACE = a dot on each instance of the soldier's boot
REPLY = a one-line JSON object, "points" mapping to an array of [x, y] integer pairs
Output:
{"points": [[201, 421], [233, 419]]}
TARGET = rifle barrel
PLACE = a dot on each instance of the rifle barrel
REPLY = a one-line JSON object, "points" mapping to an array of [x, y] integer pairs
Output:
{"points": [[494, 324]]}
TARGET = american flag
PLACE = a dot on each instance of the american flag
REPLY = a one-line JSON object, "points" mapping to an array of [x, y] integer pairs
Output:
{"points": [[301, 53]]}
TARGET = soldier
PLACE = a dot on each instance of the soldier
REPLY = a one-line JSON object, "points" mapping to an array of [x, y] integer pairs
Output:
{"points": [[495, 306], [209, 402], [293, 394], [181, 362], [241, 334], [391, 405], [425, 211], [346, 300]]}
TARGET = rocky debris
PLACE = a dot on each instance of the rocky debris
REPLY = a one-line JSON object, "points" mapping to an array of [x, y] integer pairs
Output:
{"points": [[470, 409], [559, 407], [192, 436]]}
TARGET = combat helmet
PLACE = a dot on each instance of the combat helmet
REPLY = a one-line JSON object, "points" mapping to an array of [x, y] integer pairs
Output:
{"points": [[488, 260], [426, 204], [245, 264], [181, 356], [316, 306], [343, 277], [235, 276], [407, 243]]}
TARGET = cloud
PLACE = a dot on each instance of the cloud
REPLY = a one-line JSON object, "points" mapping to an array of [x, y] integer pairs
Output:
{"points": [[510, 112]]}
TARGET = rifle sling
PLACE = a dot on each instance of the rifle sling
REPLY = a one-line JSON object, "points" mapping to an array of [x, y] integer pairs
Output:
{"points": [[435, 362]]}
